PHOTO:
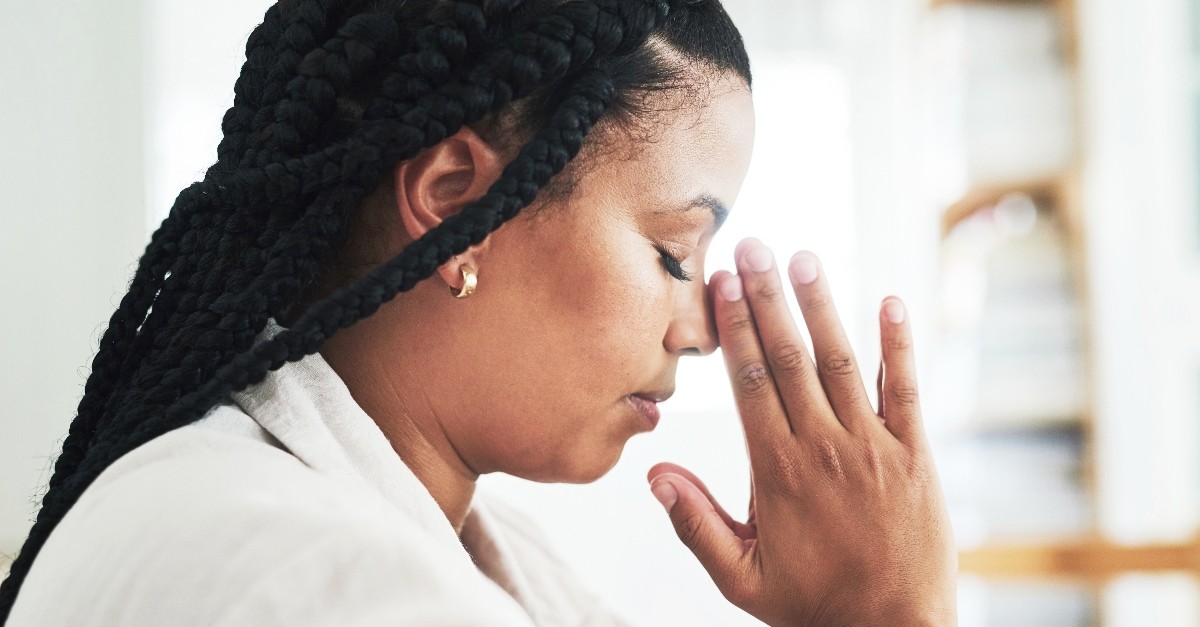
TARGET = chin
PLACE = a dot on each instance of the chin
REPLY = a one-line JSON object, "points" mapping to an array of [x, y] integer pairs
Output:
{"points": [[581, 466]]}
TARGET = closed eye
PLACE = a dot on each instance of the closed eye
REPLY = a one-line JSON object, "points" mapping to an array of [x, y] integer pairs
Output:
{"points": [[673, 266]]}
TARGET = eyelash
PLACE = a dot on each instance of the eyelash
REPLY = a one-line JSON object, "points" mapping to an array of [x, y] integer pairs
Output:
{"points": [[673, 266]]}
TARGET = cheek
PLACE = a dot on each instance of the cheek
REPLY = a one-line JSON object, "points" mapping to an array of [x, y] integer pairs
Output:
{"points": [[594, 278], [622, 298], [577, 322], [599, 308]]}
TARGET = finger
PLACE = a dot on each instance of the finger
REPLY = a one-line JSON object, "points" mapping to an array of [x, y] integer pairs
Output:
{"points": [[791, 366], [901, 400], [754, 392], [701, 530], [836, 366], [752, 517], [665, 468], [879, 391]]}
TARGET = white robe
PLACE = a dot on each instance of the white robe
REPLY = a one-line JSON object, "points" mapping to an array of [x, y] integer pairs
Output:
{"points": [[289, 507]]}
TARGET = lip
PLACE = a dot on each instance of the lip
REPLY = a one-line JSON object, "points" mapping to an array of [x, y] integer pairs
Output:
{"points": [[646, 407]]}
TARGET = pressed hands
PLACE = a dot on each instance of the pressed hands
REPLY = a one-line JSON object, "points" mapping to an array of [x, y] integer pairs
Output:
{"points": [[847, 524]]}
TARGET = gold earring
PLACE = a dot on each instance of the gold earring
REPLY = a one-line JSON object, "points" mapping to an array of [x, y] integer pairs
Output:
{"points": [[470, 282]]}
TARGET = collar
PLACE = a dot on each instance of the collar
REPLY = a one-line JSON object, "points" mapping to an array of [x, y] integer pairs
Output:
{"points": [[308, 408]]}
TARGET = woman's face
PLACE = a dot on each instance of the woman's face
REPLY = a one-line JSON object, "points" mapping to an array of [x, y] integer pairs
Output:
{"points": [[580, 318], [578, 311]]}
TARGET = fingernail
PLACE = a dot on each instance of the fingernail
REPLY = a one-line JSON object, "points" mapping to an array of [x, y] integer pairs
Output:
{"points": [[731, 288], [894, 310], [759, 259], [666, 494], [803, 268]]}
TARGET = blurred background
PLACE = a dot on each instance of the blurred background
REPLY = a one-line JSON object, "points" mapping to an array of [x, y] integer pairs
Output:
{"points": [[1022, 172]]}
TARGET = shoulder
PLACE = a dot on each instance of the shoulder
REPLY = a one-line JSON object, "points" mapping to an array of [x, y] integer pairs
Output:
{"points": [[215, 477], [205, 527], [360, 573]]}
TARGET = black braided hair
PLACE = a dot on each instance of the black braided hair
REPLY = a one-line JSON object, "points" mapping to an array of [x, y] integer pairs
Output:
{"points": [[333, 94]]}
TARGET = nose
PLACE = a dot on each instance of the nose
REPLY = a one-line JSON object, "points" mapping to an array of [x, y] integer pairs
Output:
{"points": [[692, 330]]}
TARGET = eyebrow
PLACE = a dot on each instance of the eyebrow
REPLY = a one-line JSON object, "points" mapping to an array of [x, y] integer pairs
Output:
{"points": [[705, 201]]}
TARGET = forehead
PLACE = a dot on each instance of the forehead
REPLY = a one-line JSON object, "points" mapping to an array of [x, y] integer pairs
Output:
{"points": [[697, 142]]}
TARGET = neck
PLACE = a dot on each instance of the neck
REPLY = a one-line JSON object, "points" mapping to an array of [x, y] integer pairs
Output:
{"points": [[414, 431]]}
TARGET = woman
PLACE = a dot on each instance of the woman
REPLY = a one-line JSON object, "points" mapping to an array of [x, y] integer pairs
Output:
{"points": [[400, 275]]}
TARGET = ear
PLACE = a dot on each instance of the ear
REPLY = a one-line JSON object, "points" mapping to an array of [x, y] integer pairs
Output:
{"points": [[439, 182]]}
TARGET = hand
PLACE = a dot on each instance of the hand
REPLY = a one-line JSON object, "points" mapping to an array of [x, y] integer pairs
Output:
{"points": [[847, 524]]}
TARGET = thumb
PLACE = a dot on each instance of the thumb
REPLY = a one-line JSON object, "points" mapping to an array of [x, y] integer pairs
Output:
{"points": [[700, 527]]}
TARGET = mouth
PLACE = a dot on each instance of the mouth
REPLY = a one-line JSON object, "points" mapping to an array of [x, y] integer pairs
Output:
{"points": [[646, 405]]}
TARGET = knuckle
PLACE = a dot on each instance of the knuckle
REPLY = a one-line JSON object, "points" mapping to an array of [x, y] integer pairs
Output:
{"points": [[903, 394], [790, 358], [690, 529], [740, 323], [766, 293], [817, 303], [784, 472], [898, 343], [828, 458], [753, 379], [875, 465], [838, 364]]}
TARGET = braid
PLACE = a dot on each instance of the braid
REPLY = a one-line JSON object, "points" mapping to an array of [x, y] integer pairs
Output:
{"points": [[161, 258], [330, 98], [266, 42], [129, 329], [541, 159], [187, 357], [248, 90]]}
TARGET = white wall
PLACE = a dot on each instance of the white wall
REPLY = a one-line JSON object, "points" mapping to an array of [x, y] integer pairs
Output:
{"points": [[195, 53], [1139, 190], [71, 218], [111, 109]]}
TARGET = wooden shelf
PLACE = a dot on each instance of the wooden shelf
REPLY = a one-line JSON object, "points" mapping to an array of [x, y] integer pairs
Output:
{"points": [[1065, 427], [1089, 559], [938, 3], [1044, 190], [1066, 9]]}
